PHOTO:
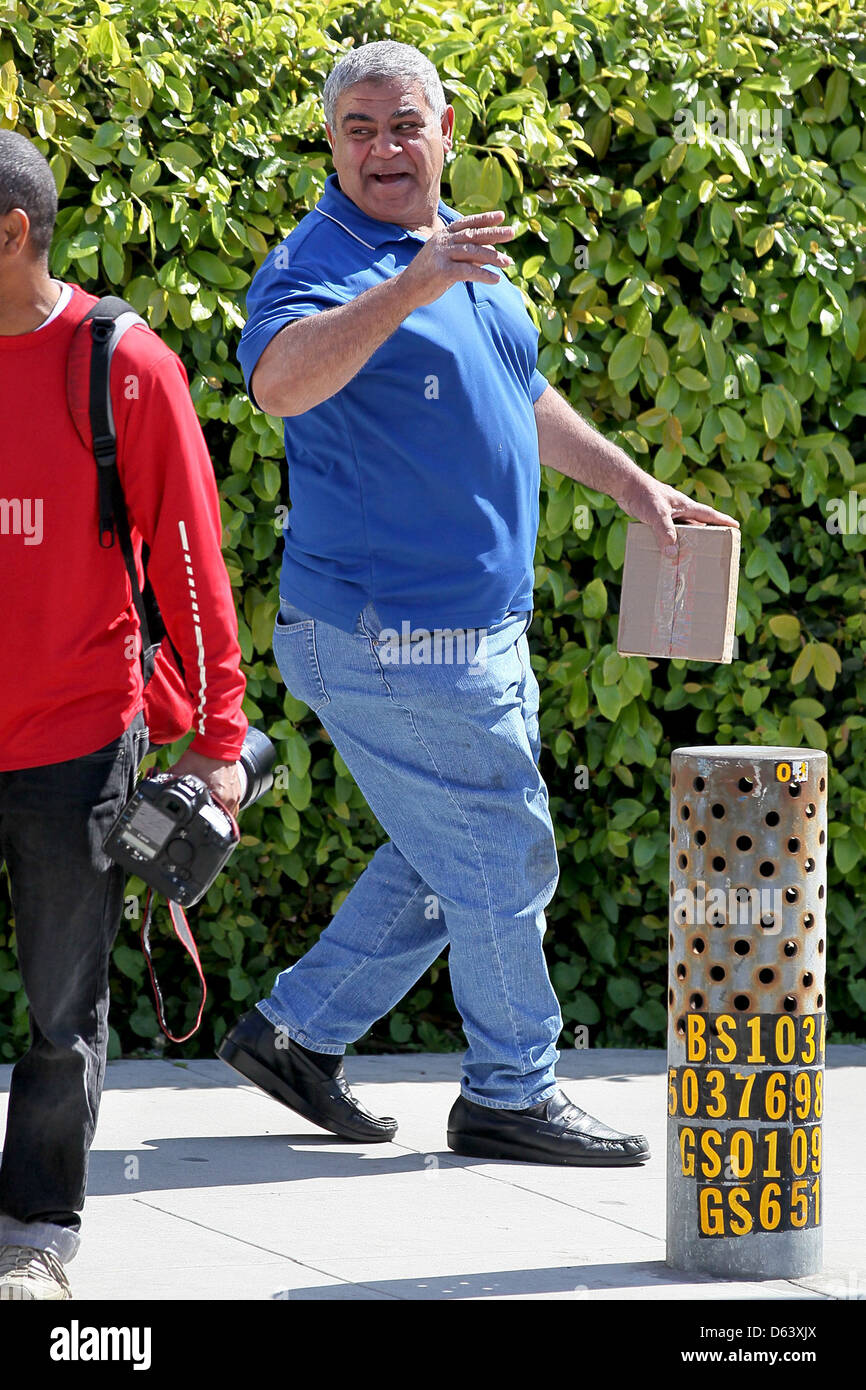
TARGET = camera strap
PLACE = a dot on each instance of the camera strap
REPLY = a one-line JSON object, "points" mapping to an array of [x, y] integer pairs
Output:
{"points": [[185, 937]]}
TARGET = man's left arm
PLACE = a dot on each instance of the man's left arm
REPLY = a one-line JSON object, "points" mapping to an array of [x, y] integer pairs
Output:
{"points": [[172, 500], [568, 443]]}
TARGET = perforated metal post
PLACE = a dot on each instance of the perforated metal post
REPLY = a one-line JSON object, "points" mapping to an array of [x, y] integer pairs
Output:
{"points": [[746, 1010]]}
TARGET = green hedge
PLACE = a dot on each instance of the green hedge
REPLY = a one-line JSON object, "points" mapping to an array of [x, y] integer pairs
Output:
{"points": [[701, 300]]}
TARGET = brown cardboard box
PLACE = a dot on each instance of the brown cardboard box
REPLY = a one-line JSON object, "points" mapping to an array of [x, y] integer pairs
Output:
{"points": [[684, 607]]}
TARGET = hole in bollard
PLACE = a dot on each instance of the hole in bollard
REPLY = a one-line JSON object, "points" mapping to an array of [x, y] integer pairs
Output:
{"points": [[671, 940], [671, 997], [718, 810], [672, 888], [744, 842], [821, 891], [789, 1003], [808, 979], [700, 837], [742, 948], [768, 921], [681, 971], [717, 973], [793, 789], [699, 945], [821, 947], [793, 844], [792, 895], [820, 1001], [767, 975], [673, 834], [772, 818], [699, 784], [696, 1001], [810, 810], [683, 861], [809, 866], [808, 920], [767, 868], [821, 785], [741, 1001], [682, 915], [685, 813], [681, 1027], [790, 948], [673, 779], [746, 784], [821, 838], [719, 863]]}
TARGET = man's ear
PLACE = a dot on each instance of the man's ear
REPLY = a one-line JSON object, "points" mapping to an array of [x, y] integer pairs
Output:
{"points": [[448, 128], [330, 135], [14, 232]]}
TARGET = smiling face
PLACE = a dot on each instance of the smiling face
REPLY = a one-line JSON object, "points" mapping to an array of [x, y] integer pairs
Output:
{"points": [[389, 149]]}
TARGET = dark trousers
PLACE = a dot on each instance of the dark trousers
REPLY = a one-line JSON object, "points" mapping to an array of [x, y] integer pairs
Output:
{"points": [[67, 898]]}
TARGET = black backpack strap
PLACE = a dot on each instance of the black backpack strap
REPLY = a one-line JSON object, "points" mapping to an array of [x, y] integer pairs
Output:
{"points": [[109, 320]]}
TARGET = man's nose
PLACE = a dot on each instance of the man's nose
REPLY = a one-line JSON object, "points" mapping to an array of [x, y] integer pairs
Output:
{"points": [[385, 145]]}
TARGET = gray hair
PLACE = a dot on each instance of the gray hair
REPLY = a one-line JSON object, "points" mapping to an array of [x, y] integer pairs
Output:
{"points": [[379, 62]]}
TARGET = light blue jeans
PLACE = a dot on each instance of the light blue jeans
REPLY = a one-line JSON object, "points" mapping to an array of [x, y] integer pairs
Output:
{"points": [[445, 751]]}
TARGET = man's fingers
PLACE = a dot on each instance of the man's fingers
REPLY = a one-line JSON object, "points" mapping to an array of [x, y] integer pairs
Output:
{"points": [[682, 506], [480, 228], [479, 254], [477, 219]]}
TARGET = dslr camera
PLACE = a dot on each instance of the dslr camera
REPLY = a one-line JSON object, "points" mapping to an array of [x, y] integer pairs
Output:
{"points": [[176, 835]]}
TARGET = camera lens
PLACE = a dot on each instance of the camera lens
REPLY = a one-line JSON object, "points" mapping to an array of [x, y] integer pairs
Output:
{"points": [[256, 759]]}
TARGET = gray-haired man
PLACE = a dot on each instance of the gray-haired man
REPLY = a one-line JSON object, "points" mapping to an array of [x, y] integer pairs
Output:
{"points": [[404, 363]]}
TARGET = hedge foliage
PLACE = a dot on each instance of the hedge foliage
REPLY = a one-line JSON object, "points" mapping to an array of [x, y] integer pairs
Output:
{"points": [[701, 299]]}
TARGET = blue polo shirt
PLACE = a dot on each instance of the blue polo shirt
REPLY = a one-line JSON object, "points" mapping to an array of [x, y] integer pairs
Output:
{"points": [[416, 485]]}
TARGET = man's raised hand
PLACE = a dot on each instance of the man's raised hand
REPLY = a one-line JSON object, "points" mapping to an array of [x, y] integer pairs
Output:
{"points": [[460, 251]]}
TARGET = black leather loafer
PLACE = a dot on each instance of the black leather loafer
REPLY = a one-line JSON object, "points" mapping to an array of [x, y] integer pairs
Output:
{"points": [[273, 1061], [554, 1132]]}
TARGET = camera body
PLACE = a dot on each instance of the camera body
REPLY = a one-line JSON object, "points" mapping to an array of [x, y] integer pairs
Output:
{"points": [[176, 835]]}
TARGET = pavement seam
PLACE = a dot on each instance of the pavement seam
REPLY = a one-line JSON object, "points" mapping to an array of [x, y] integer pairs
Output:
{"points": [[266, 1250], [506, 1182]]}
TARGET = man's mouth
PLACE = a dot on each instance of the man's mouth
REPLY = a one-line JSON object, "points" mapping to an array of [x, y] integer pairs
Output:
{"points": [[388, 180]]}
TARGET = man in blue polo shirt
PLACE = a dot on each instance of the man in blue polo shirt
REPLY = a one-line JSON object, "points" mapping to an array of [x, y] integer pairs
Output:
{"points": [[404, 364]]}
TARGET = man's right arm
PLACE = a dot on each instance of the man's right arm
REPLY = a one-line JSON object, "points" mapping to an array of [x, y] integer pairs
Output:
{"points": [[314, 357]]}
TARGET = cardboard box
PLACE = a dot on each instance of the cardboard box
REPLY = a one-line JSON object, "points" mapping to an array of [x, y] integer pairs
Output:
{"points": [[684, 607]]}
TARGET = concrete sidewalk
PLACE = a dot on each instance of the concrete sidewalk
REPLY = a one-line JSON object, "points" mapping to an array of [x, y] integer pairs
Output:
{"points": [[203, 1187]]}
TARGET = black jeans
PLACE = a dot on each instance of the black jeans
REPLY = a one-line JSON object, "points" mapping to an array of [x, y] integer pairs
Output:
{"points": [[67, 897]]}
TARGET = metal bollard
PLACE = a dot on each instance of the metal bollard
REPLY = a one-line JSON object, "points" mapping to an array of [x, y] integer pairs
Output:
{"points": [[746, 1010]]}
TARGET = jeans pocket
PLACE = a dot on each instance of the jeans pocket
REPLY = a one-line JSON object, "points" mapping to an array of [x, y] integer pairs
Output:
{"points": [[297, 657]]}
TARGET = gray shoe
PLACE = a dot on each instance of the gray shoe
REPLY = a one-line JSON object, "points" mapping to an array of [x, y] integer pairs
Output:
{"points": [[31, 1274]]}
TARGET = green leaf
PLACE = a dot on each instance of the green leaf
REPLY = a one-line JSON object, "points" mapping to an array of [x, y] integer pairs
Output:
{"points": [[826, 665], [209, 267], [773, 411], [595, 599], [624, 991], [651, 1017], [624, 357], [785, 626], [803, 665], [582, 1009], [691, 379]]}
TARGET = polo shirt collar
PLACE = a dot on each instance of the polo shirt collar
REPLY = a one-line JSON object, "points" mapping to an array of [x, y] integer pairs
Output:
{"points": [[338, 208]]}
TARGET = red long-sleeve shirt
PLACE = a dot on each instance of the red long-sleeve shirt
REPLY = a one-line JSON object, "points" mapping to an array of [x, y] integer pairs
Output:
{"points": [[70, 677]]}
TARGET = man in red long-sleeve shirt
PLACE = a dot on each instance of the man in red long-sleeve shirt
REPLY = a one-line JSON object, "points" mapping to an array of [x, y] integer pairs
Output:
{"points": [[72, 708]]}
